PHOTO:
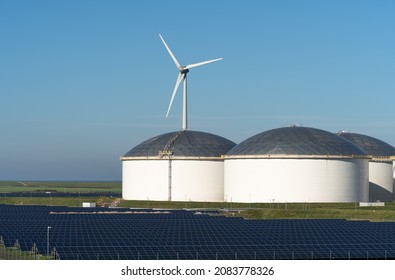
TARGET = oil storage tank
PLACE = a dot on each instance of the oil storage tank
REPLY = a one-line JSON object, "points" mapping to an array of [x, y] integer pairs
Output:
{"points": [[177, 166], [381, 166], [296, 164]]}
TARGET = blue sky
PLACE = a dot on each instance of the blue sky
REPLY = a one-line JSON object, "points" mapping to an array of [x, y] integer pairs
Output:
{"points": [[82, 82]]}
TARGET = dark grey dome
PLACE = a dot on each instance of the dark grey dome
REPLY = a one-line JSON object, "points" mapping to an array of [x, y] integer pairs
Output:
{"points": [[371, 146], [183, 144], [296, 141]]}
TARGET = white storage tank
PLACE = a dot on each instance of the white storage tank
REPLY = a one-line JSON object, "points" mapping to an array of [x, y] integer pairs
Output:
{"points": [[296, 164], [381, 168], [177, 166]]}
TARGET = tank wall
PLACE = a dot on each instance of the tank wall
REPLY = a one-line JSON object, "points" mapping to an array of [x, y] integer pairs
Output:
{"points": [[197, 180], [145, 180], [296, 180], [381, 180], [393, 182], [191, 180]]}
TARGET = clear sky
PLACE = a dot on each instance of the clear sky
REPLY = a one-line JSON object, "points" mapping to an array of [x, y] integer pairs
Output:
{"points": [[82, 82]]}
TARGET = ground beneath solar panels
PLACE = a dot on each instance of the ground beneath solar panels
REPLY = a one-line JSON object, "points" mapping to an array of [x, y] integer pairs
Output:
{"points": [[124, 233]]}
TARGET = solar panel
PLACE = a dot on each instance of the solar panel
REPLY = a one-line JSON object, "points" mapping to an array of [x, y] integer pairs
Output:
{"points": [[100, 233]]}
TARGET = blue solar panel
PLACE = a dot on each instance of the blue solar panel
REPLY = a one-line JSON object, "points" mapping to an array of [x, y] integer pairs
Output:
{"points": [[99, 233]]}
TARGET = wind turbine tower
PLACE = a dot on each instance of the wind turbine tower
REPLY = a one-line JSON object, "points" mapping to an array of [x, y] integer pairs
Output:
{"points": [[182, 76]]}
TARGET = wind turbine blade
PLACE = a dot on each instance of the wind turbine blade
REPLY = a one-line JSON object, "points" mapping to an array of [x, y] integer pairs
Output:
{"points": [[179, 79], [201, 63], [171, 54]]}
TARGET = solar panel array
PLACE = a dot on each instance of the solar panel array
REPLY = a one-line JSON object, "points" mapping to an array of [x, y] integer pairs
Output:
{"points": [[104, 233]]}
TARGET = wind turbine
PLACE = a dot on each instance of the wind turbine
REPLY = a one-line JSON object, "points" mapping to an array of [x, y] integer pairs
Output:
{"points": [[182, 76]]}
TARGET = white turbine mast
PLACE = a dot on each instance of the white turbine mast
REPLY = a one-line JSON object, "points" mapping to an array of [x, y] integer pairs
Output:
{"points": [[182, 76]]}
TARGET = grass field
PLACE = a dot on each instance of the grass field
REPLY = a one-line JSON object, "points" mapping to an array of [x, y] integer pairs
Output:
{"points": [[27, 188], [50, 201], [350, 211], [67, 187], [15, 254]]}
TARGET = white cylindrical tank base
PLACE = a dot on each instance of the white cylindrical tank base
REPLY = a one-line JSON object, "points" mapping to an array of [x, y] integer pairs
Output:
{"points": [[196, 180], [381, 180], [175, 180], [144, 180], [393, 182], [296, 180]]}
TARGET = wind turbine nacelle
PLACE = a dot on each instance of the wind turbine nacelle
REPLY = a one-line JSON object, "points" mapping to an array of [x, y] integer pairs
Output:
{"points": [[184, 70]]}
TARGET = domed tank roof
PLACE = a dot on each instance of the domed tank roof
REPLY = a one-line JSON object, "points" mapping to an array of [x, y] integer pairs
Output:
{"points": [[183, 143], [370, 145], [296, 141]]}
